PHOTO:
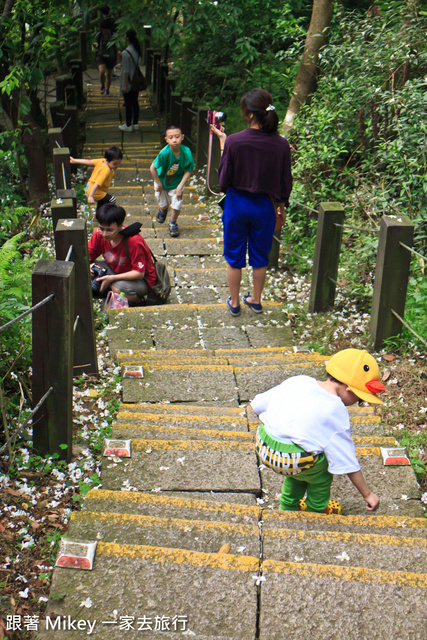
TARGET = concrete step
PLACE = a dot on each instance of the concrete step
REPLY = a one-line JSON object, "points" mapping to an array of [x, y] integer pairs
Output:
{"points": [[151, 585], [172, 532], [185, 465], [340, 602]]}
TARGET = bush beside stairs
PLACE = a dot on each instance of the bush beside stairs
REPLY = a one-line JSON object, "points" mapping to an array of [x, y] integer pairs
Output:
{"points": [[190, 539]]}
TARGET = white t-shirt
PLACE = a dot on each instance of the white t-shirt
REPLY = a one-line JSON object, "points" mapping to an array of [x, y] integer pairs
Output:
{"points": [[300, 410]]}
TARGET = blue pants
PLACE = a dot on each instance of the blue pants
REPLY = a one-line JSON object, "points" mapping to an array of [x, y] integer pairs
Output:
{"points": [[249, 220]]}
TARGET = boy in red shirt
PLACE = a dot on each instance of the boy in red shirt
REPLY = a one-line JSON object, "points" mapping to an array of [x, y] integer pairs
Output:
{"points": [[130, 268]]}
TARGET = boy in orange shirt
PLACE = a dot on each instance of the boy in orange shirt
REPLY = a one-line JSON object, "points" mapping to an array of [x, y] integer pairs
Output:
{"points": [[101, 177]]}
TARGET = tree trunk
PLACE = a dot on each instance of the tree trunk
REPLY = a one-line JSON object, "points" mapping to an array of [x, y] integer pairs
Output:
{"points": [[33, 142], [306, 80]]}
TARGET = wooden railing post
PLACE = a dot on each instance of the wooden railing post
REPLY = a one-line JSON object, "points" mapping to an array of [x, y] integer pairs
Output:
{"points": [[163, 74], [56, 141], [83, 49], [72, 233], [326, 256], [149, 57], [52, 345], [187, 118], [76, 69], [60, 210], [202, 138], [67, 194], [391, 278], [146, 43], [70, 130], [60, 84], [61, 168]]}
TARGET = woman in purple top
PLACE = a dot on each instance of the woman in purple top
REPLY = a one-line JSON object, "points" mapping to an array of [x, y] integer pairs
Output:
{"points": [[255, 175]]}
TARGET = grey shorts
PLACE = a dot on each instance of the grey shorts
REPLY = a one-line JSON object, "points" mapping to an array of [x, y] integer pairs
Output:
{"points": [[129, 287]]}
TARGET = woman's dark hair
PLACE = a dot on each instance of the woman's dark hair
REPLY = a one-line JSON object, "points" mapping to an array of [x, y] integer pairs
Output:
{"points": [[131, 36], [256, 102], [113, 153], [109, 213]]}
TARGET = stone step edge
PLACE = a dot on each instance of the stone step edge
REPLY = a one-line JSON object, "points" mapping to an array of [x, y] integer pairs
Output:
{"points": [[363, 539], [241, 435], [137, 497], [237, 435], [178, 556], [216, 526], [198, 445], [241, 411], [185, 308], [349, 574], [371, 522]]}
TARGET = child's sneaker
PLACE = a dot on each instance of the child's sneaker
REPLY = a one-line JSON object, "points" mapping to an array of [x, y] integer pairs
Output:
{"points": [[102, 89], [135, 127], [107, 92], [173, 230], [161, 216], [124, 127], [334, 507]]}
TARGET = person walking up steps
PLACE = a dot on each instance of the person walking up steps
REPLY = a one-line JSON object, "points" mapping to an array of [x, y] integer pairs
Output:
{"points": [[101, 177], [305, 431], [255, 174], [171, 170], [131, 59]]}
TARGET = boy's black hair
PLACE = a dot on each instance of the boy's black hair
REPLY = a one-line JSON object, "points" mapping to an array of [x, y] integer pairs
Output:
{"points": [[332, 379], [173, 126], [110, 213], [105, 9], [113, 153]]}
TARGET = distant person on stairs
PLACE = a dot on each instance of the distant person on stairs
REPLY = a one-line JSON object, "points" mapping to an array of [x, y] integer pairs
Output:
{"points": [[131, 59], [305, 431], [106, 55], [171, 170], [127, 257], [255, 174]]}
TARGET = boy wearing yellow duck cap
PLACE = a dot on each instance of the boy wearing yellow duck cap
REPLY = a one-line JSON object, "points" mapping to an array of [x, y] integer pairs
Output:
{"points": [[305, 431]]}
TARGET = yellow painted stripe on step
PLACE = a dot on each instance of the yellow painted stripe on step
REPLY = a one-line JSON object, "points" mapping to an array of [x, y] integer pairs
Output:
{"points": [[166, 309], [254, 353], [191, 445], [172, 417], [283, 365], [213, 433], [178, 556], [346, 537], [349, 574], [198, 270], [367, 451], [189, 367], [384, 441], [366, 420], [383, 522], [177, 352], [125, 519], [137, 498], [216, 306], [184, 409]]}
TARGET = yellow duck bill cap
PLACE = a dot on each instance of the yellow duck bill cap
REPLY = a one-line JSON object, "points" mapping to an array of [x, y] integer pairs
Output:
{"points": [[359, 371]]}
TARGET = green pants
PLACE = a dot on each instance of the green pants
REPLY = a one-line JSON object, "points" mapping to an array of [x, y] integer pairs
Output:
{"points": [[316, 481]]}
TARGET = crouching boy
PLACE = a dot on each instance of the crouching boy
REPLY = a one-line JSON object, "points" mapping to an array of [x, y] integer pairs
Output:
{"points": [[305, 430], [127, 258]]}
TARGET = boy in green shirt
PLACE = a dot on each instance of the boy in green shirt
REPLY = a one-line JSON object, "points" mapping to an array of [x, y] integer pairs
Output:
{"points": [[171, 170]]}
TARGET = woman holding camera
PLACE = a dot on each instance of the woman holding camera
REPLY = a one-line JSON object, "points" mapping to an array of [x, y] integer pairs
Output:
{"points": [[255, 174]]}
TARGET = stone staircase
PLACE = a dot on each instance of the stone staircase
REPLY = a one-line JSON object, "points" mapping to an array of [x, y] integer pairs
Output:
{"points": [[190, 539]]}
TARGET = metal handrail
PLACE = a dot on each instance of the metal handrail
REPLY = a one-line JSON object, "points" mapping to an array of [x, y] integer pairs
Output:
{"points": [[26, 313], [27, 419]]}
